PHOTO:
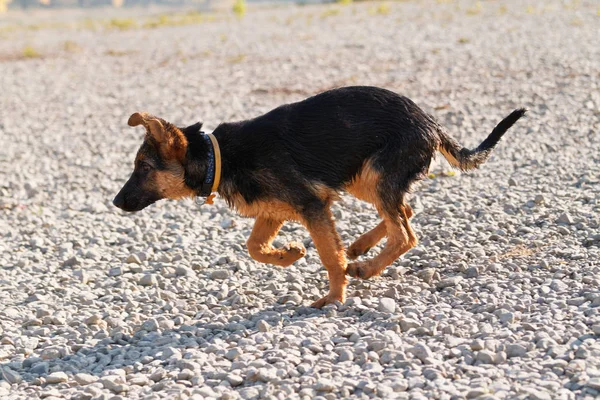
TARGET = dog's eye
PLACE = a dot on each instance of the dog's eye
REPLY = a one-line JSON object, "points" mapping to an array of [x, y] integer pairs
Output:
{"points": [[145, 166]]}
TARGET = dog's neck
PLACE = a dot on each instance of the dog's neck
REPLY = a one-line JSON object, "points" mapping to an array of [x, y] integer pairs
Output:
{"points": [[234, 179], [200, 163]]}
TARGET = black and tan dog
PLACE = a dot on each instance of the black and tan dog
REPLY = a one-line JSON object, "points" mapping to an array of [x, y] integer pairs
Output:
{"points": [[294, 161]]}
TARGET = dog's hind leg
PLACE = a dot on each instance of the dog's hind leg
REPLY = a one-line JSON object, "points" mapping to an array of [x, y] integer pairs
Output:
{"points": [[367, 240], [400, 239], [318, 220], [260, 244]]}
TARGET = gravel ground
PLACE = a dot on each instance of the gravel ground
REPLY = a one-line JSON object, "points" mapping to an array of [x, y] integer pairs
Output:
{"points": [[500, 300]]}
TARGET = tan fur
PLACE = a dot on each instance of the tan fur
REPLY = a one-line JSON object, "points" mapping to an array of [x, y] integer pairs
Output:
{"points": [[364, 185], [170, 183], [260, 244], [451, 159], [272, 209], [400, 239], [366, 241], [325, 193], [331, 251], [174, 144]]}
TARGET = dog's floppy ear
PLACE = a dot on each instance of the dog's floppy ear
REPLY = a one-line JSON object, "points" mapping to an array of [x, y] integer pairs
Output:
{"points": [[152, 124]]}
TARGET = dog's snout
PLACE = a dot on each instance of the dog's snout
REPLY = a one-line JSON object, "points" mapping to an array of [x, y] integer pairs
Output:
{"points": [[119, 201]]}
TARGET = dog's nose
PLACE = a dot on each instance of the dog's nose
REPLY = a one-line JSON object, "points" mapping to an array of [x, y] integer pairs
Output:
{"points": [[119, 201]]}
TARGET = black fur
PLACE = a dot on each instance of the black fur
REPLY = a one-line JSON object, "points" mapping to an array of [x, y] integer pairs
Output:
{"points": [[327, 139], [467, 159], [196, 157]]}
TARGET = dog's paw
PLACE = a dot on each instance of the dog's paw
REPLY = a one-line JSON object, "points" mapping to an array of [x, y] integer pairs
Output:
{"points": [[360, 270], [329, 299], [292, 252], [355, 251]]}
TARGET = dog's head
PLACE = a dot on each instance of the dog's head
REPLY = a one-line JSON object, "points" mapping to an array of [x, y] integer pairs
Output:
{"points": [[161, 169]]}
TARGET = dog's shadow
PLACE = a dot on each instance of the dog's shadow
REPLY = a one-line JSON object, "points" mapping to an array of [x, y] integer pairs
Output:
{"points": [[169, 348]]}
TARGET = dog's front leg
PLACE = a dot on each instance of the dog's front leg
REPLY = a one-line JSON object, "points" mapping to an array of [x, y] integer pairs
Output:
{"points": [[260, 244], [321, 227]]}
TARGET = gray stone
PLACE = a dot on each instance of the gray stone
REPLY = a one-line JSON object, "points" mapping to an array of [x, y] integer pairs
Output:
{"points": [[408, 323], [148, 280], [232, 354], [84, 379], [220, 274], [486, 357], [114, 383], [133, 259], [234, 380], [565, 218], [593, 383], [449, 282], [263, 326], [324, 385], [11, 376], [427, 274], [345, 355], [422, 352], [387, 305], [57, 377], [515, 350], [41, 368]]}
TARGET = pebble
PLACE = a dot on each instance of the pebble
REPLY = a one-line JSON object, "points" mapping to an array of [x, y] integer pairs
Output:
{"points": [[422, 352], [565, 218], [234, 380], [148, 280], [40, 368], [387, 305], [11, 376], [133, 259], [427, 274], [220, 274], [449, 282], [593, 383], [84, 379], [515, 350], [345, 355], [263, 326], [57, 377]]}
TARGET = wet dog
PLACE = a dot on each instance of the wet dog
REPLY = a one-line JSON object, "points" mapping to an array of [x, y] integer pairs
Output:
{"points": [[293, 162]]}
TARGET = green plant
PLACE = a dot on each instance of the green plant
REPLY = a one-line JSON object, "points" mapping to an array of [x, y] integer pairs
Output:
{"points": [[476, 9], [381, 9], [121, 23], [117, 53], [239, 8], [71, 46], [30, 52], [330, 12], [237, 59]]}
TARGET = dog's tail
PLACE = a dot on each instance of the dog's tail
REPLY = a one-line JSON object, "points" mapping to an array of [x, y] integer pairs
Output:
{"points": [[466, 159]]}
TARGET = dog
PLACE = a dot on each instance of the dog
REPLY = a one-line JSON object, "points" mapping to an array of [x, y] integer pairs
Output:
{"points": [[294, 161]]}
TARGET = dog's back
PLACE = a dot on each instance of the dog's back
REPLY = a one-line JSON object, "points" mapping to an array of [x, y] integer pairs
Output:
{"points": [[328, 137]]}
